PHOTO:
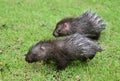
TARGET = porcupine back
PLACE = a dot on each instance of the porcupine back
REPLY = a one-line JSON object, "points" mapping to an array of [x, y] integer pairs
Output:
{"points": [[93, 19], [78, 45], [89, 24]]}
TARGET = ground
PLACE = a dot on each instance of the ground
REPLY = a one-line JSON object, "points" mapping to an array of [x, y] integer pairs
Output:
{"points": [[25, 22]]}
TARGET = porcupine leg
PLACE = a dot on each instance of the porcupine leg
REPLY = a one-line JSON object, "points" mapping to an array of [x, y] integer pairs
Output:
{"points": [[61, 64]]}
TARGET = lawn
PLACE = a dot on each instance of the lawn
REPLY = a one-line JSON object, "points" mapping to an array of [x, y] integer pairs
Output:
{"points": [[25, 22]]}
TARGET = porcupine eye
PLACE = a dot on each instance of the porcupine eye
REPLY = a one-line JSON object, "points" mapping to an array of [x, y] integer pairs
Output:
{"points": [[59, 31], [34, 54]]}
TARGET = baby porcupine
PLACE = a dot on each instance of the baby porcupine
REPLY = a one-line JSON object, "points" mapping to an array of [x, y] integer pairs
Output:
{"points": [[88, 24], [63, 50]]}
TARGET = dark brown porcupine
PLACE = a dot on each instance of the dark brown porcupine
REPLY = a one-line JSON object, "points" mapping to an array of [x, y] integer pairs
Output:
{"points": [[63, 50], [88, 24]]}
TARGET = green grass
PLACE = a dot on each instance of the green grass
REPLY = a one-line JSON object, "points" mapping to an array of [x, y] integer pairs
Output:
{"points": [[25, 22]]}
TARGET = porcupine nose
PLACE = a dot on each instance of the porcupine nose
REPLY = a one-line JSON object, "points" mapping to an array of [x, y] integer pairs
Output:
{"points": [[28, 60]]}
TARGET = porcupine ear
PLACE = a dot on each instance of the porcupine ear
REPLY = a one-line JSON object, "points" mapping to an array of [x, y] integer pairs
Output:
{"points": [[42, 48], [66, 26]]}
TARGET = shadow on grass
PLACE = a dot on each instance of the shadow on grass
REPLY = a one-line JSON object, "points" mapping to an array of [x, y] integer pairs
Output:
{"points": [[47, 67]]}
